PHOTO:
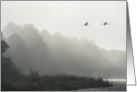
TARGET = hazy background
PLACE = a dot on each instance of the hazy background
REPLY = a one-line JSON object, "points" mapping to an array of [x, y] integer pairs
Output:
{"points": [[67, 17], [61, 44]]}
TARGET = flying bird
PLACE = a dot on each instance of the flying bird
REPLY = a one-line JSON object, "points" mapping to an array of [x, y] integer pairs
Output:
{"points": [[86, 24], [105, 23]]}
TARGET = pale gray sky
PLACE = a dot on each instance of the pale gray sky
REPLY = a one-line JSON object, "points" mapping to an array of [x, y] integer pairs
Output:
{"points": [[68, 17]]}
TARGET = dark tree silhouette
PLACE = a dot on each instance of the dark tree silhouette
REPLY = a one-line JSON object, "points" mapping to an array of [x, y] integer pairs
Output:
{"points": [[10, 74]]}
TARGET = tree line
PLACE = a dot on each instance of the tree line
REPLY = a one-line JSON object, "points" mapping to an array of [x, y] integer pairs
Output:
{"points": [[13, 80]]}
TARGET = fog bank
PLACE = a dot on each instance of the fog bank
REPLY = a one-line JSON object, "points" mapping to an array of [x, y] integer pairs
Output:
{"points": [[49, 54]]}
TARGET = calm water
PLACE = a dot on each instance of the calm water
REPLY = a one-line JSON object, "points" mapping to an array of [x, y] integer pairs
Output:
{"points": [[115, 80], [118, 85]]}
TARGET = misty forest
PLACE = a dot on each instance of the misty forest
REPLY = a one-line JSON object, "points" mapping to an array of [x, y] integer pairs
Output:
{"points": [[34, 60]]}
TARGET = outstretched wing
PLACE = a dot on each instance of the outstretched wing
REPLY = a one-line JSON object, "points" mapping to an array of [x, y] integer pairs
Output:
{"points": [[106, 23], [86, 23]]}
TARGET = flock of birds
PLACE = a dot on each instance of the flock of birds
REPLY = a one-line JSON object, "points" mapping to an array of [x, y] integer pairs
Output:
{"points": [[104, 24]]}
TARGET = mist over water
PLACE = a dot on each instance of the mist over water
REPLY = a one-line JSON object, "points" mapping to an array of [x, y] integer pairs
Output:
{"points": [[54, 54]]}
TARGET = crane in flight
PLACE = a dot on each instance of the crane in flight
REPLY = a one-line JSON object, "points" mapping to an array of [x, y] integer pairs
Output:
{"points": [[105, 23], [86, 24]]}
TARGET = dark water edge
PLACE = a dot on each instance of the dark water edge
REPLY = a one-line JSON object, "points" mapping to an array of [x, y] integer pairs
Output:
{"points": [[117, 86]]}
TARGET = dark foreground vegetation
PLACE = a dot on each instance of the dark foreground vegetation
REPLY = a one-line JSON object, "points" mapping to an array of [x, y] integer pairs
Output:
{"points": [[13, 80], [34, 82]]}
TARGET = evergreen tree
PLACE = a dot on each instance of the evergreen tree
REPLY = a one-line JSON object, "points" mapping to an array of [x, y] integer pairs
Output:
{"points": [[10, 74]]}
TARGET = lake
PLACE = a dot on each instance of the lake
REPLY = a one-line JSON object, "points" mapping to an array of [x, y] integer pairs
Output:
{"points": [[118, 85]]}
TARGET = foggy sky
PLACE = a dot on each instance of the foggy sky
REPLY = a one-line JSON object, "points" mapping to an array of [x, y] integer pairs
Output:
{"points": [[67, 18]]}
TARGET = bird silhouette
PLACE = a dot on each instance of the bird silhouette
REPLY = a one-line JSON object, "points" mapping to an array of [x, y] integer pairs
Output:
{"points": [[105, 23], [86, 24]]}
